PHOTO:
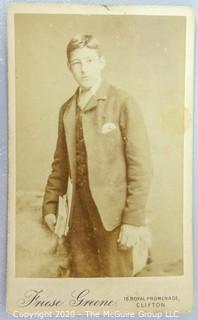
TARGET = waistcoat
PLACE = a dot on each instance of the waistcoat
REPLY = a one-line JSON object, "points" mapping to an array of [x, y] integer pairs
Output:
{"points": [[81, 155]]}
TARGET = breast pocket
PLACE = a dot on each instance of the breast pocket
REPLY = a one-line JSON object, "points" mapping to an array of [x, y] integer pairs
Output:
{"points": [[111, 143]]}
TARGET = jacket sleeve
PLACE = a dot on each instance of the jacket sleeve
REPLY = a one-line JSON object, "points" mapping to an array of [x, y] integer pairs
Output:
{"points": [[57, 180], [138, 163]]}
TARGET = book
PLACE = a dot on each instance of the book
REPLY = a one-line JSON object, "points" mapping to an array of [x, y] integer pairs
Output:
{"points": [[64, 210]]}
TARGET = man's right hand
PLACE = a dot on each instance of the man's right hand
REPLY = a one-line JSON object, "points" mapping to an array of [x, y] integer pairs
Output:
{"points": [[50, 219]]}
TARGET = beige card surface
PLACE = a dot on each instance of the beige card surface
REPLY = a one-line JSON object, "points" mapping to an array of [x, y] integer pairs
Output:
{"points": [[145, 54]]}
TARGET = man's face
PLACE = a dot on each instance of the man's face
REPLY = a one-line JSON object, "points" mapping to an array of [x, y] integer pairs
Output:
{"points": [[86, 66]]}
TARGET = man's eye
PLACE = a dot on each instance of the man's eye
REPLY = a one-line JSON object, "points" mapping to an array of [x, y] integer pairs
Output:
{"points": [[90, 60], [74, 63]]}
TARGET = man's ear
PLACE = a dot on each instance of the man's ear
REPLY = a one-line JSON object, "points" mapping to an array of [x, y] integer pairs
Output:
{"points": [[68, 65]]}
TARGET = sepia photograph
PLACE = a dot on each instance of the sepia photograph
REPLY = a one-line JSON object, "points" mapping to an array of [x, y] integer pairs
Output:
{"points": [[100, 107]]}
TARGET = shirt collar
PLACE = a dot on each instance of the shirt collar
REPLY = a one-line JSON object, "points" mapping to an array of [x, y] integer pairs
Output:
{"points": [[100, 94], [91, 91]]}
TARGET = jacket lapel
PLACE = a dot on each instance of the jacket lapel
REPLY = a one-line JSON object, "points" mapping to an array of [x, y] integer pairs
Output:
{"points": [[100, 95], [69, 120]]}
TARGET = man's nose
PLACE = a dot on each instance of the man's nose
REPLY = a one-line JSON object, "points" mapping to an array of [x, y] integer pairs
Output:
{"points": [[83, 67]]}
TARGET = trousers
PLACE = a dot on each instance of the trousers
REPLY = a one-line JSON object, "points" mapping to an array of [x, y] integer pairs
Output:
{"points": [[94, 250]]}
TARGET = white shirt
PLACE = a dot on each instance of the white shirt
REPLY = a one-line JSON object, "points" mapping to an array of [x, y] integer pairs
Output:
{"points": [[85, 95]]}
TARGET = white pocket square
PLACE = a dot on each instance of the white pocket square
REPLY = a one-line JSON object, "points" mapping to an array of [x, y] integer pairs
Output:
{"points": [[107, 127]]}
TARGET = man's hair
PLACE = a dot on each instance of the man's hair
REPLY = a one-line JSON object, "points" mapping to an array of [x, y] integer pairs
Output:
{"points": [[81, 41]]}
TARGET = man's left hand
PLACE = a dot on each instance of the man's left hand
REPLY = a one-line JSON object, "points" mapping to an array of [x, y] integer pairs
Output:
{"points": [[128, 237]]}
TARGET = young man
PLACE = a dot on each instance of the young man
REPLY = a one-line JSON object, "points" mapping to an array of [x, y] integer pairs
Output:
{"points": [[103, 147]]}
